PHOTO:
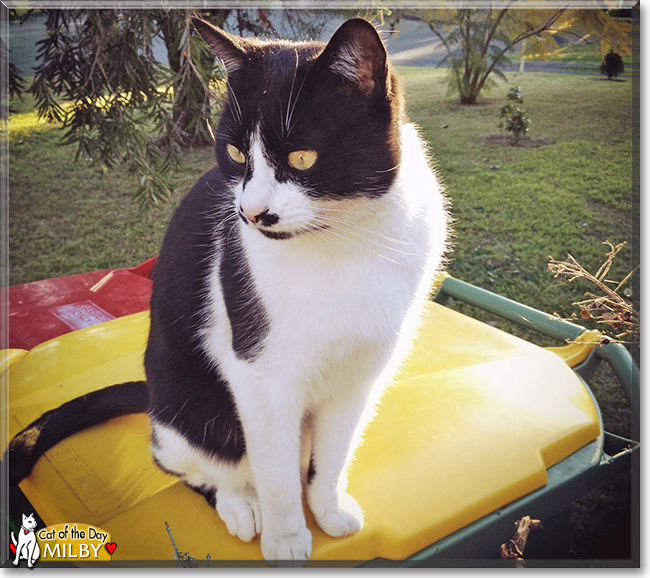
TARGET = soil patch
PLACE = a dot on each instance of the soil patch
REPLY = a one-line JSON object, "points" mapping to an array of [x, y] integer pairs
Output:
{"points": [[506, 141], [481, 103]]}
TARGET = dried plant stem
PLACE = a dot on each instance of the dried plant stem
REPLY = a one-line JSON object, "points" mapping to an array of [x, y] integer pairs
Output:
{"points": [[514, 548], [611, 308], [184, 559]]}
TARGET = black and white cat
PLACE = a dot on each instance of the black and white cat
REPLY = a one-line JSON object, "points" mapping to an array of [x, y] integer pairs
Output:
{"points": [[288, 288]]}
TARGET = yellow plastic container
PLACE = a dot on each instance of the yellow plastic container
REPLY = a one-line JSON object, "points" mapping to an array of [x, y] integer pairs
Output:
{"points": [[472, 423]]}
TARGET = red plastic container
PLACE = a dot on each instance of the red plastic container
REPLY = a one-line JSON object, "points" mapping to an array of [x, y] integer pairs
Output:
{"points": [[45, 309]]}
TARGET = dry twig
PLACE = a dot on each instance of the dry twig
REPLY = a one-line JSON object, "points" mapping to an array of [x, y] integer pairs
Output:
{"points": [[609, 308], [514, 548], [184, 559]]}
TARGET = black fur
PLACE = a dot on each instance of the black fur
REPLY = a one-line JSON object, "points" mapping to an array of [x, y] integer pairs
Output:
{"points": [[76, 415], [311, 470], [208, 492], [248, 320], [268, 219], [354, 132], [188, 392]]}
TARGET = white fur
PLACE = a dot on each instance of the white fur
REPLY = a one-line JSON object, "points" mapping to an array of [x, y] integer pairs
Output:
{"points": [[264, 192], [27, 547], [237, 502], [343, 303]]}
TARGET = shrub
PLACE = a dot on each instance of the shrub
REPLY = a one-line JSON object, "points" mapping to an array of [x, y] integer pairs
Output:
{"points": [[612, 65], [517, 120]]}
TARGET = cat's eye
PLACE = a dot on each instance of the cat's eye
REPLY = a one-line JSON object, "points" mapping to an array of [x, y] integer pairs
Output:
{"points": [[302, 160], [235, 154]]}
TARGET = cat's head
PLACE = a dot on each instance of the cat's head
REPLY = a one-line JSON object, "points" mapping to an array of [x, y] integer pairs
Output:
{"points": [[308, 129], [28, 522]]}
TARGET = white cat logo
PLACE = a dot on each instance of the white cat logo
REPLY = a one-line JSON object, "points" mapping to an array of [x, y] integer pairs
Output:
{"points": [[27, 547]]}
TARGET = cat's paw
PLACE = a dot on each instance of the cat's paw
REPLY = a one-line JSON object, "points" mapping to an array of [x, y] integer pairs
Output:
{"points": [[294, 547], [339, 521], [241, 514]]}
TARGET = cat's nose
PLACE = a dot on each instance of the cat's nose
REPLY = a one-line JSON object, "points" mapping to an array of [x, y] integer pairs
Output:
{"points": [[260, 215], [252, 213]]}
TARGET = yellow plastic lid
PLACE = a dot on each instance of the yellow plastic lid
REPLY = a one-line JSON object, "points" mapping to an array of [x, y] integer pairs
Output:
{"points": [[474, 420]]}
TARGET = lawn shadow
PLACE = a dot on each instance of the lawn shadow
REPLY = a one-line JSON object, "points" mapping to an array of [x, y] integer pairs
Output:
{"points": [[610, 80], [507, 141]]}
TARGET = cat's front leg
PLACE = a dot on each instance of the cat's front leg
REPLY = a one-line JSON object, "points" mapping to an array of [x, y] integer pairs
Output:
{"points": [[335, 428], [272, 427], [31, 554]]}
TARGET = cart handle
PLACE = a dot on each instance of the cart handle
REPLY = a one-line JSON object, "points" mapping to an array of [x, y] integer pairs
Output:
{"points": [[508, 309]]}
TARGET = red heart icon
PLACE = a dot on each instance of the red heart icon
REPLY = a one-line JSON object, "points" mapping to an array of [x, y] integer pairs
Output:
{"points": [[13, 548], [26, 532], [111, 547]]}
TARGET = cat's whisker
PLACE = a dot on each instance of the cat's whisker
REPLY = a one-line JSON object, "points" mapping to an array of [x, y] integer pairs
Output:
{"points": [[225, 128], [360, 236], [231, 229], [365, 229], [179, 411], [336, 244], [398, 165], [290, 128], [275, 130], [205, 427], [332, 230], [369, 243], [211, 187], [237, 108], [293, 82], [156, 414], [357, 212]]}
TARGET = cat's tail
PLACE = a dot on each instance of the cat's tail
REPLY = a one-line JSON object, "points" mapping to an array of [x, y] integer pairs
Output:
{"points": [[76, 415]]}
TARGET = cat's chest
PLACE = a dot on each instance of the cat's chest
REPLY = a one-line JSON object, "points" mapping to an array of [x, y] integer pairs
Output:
{"points": [[335, 295]]}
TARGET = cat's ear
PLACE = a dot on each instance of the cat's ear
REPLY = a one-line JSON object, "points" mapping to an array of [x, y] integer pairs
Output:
{"points": [[357, 53], [225, 46]]}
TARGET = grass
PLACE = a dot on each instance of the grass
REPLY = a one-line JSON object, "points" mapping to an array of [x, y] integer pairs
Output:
{"points": [[514, 206], [581, 52]]}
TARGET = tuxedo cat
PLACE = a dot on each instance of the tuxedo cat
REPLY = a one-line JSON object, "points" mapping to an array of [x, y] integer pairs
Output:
{"points": [[288, 288]]}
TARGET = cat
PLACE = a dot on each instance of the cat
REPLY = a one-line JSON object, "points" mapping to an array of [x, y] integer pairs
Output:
{"points": [[27, 547], [288, 288]]}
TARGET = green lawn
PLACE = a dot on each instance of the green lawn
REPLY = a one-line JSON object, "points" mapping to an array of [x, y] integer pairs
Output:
{"points": [[513, 206]]}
